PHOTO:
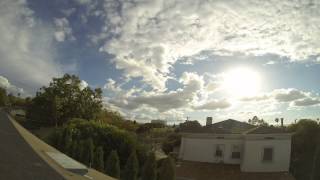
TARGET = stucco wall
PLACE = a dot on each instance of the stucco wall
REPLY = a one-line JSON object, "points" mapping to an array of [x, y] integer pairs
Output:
{"points": [[203, 149], [253, 154]]}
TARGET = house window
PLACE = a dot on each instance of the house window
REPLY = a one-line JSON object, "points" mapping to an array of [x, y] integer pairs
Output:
{"points": [[219, 152], [235, 152], [267, 154]]}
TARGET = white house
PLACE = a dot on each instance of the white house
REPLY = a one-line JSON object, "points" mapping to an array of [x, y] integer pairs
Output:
{"points": [[255, 149]]}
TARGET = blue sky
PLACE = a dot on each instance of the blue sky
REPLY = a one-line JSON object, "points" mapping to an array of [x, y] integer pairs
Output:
{"points": [[170, 59]]}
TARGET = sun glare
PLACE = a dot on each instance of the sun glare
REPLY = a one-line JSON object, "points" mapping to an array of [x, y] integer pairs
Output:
{"points": [[241, 82]]}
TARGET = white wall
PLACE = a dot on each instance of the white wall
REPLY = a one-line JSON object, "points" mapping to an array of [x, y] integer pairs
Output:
{"points": [[18, 112], [253, 154], [203, 149]]}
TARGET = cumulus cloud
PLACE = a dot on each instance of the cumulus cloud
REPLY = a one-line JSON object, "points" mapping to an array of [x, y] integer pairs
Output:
{"points": [[26, 51], [83, 2], [63, 30], [287, 95], [4, 83], [147, 37], [306, 102], [280, 95], [213, 105], [163, 102], [68, 12]]}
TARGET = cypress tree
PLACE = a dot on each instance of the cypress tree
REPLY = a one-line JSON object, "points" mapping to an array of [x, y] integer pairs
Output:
{"points": [[81, 151], [112, 166], [149, 171], [99, 159], [132, 167], [74, 149], [88, 152], [167, 170], [68, 144]]}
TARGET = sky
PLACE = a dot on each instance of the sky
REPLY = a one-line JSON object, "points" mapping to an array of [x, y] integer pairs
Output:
{"points": [[170, 59]]}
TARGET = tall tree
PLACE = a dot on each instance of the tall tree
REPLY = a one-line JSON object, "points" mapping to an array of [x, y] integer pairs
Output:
{"points": [[132, 167], [190, 126], [257, 122], [68, 142], [149, 171], [88, 154], [81, 151], [75, 149], [113, 165], [305, 150], [3, 97], [316, 162], [63, 99], [167, 170], [99, 159]]}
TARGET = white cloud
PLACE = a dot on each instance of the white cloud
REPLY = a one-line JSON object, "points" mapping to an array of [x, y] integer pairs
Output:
{"points": [[149, 36], [214, 104], [83, 2], [26, 51], [68, 12], [287, 95], [4, 83], [280, 95], [180, 98], [306, 102], [63, 30]]}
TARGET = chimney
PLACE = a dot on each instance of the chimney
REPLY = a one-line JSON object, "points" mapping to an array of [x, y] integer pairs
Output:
{"points": [[281, 122], [209, 121]]}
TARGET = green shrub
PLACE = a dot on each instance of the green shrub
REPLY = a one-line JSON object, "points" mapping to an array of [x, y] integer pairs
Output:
{"points": [[167, 170], [149, 171], [102, 135], [88, 154], [112, 165], [99, 159], [132, 167]]}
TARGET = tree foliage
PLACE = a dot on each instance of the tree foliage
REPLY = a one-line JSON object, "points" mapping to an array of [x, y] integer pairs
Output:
{"points": [[173, 140], [167, 170], [99, 159], [132, 167], [147, 127], [189, 126], [149, 171], [3, 97], [63, 99], [305, 150], [102, 135], [114, 118], [257, 121], [12, 100], [112, 165], [88, 152]]}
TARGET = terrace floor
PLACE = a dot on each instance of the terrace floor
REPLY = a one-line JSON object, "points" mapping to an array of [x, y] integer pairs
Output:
{"points": [[187, 170]]}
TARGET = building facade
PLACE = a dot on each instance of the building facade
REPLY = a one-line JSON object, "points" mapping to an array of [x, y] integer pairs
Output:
{"points": [[255, 149]]}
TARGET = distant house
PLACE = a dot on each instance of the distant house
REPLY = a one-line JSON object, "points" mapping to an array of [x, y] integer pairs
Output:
{"points": [[18, 112], [159, 121], [255, 149]]}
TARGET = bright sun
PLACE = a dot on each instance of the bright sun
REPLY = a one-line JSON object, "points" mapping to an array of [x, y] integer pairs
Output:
{"points": [[241, 82]]}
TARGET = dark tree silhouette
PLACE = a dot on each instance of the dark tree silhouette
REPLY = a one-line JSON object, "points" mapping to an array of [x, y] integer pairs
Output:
{"points": [[99, 159], [132, 167], [112, 165], [149, 171]]}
